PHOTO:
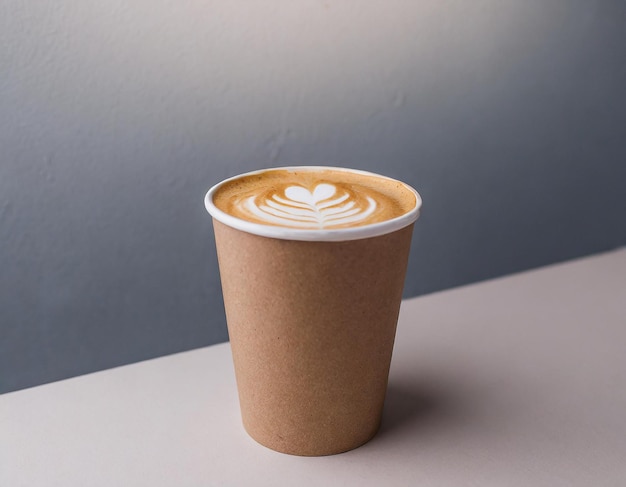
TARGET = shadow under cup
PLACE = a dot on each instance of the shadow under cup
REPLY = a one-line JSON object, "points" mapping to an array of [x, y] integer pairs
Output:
{"points": [[311, 326]]}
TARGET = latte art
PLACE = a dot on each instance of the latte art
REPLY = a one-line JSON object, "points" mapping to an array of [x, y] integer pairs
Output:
{"points": [[312, 201], [324, 207]]}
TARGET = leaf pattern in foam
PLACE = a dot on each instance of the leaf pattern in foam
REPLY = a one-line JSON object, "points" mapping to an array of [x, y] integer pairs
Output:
{"points": [[299, 207]]}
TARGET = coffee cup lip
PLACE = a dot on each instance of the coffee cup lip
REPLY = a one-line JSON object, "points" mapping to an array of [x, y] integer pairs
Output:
{"points": [[323, 235]]}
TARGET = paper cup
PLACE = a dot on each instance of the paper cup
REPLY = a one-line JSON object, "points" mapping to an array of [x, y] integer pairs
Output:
{"points": [[312, 321]]}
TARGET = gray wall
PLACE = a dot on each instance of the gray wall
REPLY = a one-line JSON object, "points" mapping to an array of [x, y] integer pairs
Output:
{"points": [[115, 117]]}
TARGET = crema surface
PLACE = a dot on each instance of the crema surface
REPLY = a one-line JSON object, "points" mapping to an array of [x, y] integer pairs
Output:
{"points": [[314, 199]]}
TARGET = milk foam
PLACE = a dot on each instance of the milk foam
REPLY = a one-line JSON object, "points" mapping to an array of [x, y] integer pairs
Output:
{"points": [[324, 207]]}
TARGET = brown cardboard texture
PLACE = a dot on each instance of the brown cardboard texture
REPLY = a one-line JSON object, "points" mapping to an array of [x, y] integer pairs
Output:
{"points": [[312, 326]]}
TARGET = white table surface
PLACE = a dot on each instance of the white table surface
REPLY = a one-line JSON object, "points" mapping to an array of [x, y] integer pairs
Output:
{"points": [[517, 381]]}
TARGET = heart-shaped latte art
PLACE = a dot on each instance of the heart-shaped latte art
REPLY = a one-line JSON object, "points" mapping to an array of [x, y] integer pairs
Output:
{"points": [[325, 206], [299, 194]]}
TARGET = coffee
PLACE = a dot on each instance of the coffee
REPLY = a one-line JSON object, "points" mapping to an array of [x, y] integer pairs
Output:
{"points": [[314, 198], [312, 263]]}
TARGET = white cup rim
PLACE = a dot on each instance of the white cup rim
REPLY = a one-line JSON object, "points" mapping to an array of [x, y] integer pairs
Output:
{"points": [[313, 235]]}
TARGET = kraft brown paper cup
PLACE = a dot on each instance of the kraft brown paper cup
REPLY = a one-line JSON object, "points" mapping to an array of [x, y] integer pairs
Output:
{"points": [[312, 327]]}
